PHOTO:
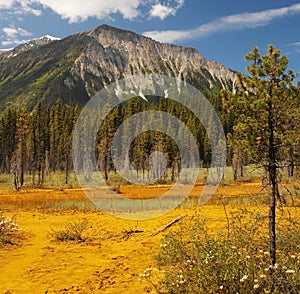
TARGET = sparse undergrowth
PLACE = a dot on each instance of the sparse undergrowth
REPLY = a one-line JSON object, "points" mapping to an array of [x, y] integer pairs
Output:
{"points": [[71, 232], [8, 229], [234, 260], [71, 205]]}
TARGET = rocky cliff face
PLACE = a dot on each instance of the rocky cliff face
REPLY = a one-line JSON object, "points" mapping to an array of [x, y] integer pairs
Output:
{"points": [[78, 66], [114, 53]]}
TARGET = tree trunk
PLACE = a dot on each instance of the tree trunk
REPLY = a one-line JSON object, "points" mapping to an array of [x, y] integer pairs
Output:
{"points": [[241, 170], [33, 177], [105, 167], [16, 182], [39, 172], [272, 218], [21, 177], [272, 171], [173, 172], [272, 223], [291, 163], [67, 171]]}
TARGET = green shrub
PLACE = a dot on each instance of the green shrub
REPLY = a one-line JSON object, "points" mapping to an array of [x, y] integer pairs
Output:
{"points": [[234, 260], [71, 232]]}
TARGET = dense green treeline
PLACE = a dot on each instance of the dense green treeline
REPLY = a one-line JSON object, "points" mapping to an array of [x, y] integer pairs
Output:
{"points": [[146, 143], [40, 141], [37, 142]]}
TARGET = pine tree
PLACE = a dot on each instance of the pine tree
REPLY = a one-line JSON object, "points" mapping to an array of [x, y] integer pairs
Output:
{"points": [[9, 126], [55, 134], [19, 160], [38, 130], [265, 104]]}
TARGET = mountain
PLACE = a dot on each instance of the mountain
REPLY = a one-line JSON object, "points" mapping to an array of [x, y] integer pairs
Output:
{"points": [[33, 44], [76, 67]]}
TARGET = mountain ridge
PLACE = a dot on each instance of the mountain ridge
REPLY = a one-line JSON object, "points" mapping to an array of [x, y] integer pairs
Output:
{"points": [[32, 44], [78, 66]]}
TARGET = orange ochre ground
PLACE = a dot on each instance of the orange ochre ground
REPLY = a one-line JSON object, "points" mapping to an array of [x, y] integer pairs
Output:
{"points": [[109, 260]]}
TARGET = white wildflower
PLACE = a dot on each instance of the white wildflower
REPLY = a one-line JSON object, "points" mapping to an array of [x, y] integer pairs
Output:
{"points": [[244, 278]]}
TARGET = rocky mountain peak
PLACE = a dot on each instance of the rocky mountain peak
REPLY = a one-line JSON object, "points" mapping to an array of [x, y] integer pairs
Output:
{"points": [[115, 53], [76, 67], [33, 44]]}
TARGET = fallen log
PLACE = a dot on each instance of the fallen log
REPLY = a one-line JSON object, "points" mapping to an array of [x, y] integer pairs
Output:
{"points": [[163, 228]]}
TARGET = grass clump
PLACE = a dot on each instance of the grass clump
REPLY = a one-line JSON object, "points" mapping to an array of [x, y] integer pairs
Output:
{"points": [[74, 205], [236, 259], [71, 232], [8, 229]]}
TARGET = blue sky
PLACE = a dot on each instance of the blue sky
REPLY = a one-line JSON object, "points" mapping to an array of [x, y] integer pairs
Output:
{"points": [[223, 31]]}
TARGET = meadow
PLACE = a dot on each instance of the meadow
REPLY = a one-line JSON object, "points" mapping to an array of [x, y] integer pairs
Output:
{"points": [[64, 244]]}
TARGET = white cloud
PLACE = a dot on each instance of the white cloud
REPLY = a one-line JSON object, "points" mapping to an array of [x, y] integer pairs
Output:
{"points": [[19, 6], [295, 48], [227, 23], [6, 4], [11, 32], [78, 10], [162, 11], [13, 42], [13, 35], [25, 8]]}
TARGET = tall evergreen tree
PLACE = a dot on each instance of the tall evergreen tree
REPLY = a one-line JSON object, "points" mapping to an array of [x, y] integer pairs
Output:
{"points": [[38, 129], [265, 104], [19, 160], [9, 127], [55, 134]]}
